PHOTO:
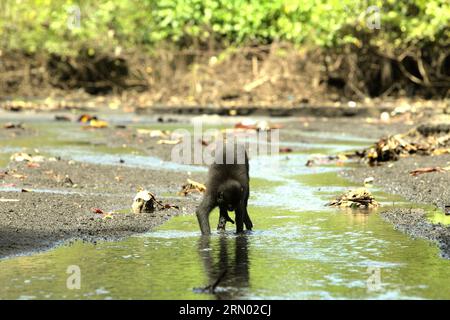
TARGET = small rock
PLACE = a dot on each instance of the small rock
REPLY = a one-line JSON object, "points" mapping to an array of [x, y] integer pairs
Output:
{"points": [[385, 117], [368, 180]]}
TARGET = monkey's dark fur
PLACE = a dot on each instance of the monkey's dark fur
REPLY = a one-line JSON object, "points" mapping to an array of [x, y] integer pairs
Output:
{"points": [[228, 188]]}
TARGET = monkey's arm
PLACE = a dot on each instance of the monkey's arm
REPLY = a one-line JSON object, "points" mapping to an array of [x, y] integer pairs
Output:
{"points": [[223, 219], [204, 209]]}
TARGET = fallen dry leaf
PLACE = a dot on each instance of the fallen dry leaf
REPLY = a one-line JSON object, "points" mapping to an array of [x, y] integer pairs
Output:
{"points": [[170, 206], [420, 171], [11, 125], [22, 156], [19, 176], [108, 215], [359, 198], [164, 134], [33, 165], [93, 121], [286, 150], [423, 140], [97, 210], [8, 185], [192, 186], [98, 124], [86, 118], [172, 142], [441, 151], [256, 125]]}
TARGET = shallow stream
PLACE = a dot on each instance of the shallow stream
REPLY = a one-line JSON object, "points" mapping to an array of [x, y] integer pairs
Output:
{"points": [[299, 248]]}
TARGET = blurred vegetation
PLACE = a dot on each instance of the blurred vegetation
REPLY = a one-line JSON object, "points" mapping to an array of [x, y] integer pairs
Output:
{"points": [[100, 45], [52, 25]]}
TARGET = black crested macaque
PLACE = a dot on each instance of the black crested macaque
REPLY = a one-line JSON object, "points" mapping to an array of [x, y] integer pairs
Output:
{"points": [[228, 188]]}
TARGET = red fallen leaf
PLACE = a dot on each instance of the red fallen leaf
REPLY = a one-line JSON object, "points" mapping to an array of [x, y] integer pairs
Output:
{"points": [[97, 210], [33, 165], [169, 206], [285, 150], [419, 171], [245, 126], [8, 185]]}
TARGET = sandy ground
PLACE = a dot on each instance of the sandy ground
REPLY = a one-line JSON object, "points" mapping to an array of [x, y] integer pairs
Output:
{"points": [[42, 218]]}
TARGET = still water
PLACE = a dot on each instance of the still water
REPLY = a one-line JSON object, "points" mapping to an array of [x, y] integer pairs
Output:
{"points": [[299, 248]]}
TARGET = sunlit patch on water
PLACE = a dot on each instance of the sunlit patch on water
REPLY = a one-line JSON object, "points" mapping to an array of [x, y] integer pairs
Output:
{"points": [[438, 216], [41, 190], [171, 234], [283, 167], [129, 160]]}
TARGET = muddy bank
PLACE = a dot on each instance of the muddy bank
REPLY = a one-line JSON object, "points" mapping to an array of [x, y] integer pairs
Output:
{"points": [[61, 194], [414, 223]]}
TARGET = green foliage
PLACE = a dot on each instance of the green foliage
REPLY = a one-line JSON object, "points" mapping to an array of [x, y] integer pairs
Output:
{"points": [[52, 25]]}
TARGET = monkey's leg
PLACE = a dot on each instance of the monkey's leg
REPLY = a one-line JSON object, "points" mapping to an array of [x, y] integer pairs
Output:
{"points": [[203, 211], [248, 223], [223, 219], [240, 219]]}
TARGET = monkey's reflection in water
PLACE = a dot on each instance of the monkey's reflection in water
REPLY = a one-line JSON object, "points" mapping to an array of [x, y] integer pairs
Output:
{"points": [[228, 274]]}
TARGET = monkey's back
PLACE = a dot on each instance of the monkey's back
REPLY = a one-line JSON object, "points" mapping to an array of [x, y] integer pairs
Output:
{"points": [[222, 170]]}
